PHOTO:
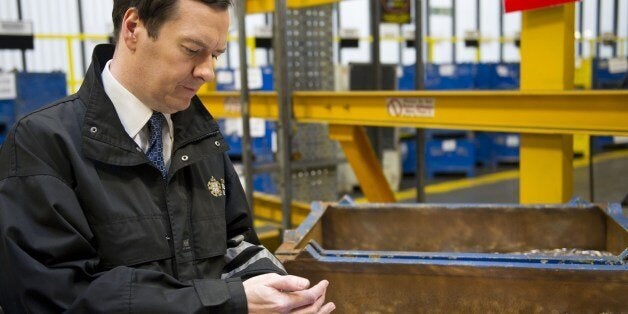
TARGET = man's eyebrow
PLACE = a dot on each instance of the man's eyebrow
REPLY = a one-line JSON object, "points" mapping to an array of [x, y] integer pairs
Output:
{"points": [[202, 44], [196, 42]]}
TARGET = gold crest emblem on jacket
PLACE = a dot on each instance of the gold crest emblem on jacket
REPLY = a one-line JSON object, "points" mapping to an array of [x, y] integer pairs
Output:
{"points": [[216, 187]]}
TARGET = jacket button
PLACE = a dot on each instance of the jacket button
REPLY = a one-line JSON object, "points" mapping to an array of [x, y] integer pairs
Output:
{"points": [[93, 129], [217, 143], [184, 157], [139, 149]]}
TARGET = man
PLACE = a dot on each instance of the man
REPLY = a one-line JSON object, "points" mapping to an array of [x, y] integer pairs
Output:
{"points": [[121, 198]]}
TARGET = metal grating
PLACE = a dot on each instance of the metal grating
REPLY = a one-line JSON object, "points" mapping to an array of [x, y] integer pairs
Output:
{"points": [[310, 67]]}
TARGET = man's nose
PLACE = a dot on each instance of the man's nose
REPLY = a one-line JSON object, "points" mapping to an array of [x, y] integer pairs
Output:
{"points": [[205, 69]]}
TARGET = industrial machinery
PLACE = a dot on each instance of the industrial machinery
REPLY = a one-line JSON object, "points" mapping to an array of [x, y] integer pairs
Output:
{"points": [[394, 258]]}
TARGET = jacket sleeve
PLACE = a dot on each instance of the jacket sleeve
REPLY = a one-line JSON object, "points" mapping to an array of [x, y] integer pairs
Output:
{"points": [[245, 256], [48, 263]]}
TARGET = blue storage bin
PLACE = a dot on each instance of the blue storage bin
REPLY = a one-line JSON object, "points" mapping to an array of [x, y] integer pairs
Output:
{"points": [[606, 78], [502, 76], [506, 76], [33, 90], [506, 147], [263, 182], [37, 89], [408, 156], [261, 146], [449, 156], [225, 79], [484, 152], [451, 76]]}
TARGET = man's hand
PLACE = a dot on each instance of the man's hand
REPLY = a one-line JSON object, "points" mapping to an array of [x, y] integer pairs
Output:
{"points": [[272, 293]]}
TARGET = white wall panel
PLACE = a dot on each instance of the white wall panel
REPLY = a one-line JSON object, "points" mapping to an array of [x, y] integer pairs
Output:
{"points": [[9, 59], [61, 17]]}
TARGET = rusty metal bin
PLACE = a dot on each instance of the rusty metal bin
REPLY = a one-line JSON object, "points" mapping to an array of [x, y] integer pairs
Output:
{"points": [[404, 258]]}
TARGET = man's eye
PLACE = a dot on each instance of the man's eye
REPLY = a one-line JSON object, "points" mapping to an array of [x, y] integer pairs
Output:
{"points": [[190, 51]]}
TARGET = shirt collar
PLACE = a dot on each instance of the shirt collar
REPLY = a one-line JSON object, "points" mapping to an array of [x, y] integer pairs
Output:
{"points": [[132, 112]]}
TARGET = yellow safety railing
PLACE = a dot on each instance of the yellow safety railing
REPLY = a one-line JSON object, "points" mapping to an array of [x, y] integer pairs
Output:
{"points": [[69, 39]]}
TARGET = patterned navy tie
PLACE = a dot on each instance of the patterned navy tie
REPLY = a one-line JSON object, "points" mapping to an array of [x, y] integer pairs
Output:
{"points": [[155, 148]]}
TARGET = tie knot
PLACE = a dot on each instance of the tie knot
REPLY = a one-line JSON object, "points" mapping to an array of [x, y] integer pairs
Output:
{"points": [[156, 121]]}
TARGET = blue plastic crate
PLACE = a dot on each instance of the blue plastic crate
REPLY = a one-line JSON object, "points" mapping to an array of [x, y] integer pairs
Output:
{"points": [[225, 79], [408, 156], [502, 76], [601, 142], [7, 116], [263, 182], [449, 156], [262, 146], [506, 76], [267, 78], [431, 134], [605, 78], [33, 91], [451, 76], [484, 152], [506, 147], [37, 89]]}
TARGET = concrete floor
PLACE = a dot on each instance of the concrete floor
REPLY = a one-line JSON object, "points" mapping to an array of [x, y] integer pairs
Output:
{"points": [[610, 183]]}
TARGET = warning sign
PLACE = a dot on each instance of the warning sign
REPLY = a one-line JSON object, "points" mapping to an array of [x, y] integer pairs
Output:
{"points": [[411, 107]]}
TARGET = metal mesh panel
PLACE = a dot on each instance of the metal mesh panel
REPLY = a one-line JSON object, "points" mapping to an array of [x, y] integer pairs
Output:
{"points": [[310, 67]]}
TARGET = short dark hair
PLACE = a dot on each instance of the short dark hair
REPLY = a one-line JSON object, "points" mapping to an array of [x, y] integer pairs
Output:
{"points": [[154, 13]]}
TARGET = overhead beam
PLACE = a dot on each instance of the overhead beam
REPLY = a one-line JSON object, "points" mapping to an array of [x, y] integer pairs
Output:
{"points": [[267, 6], [542, 112]]}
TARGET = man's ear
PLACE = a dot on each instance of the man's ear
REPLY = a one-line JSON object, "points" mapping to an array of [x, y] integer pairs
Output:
{"points": [[129, 29]]}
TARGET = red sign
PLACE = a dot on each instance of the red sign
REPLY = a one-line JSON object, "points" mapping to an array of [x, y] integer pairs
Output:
{"points": [[522, 5]]}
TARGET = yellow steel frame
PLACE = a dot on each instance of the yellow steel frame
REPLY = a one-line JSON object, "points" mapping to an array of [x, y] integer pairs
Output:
{"points": [[266, 6], [359, 153], [546, 112], [542, 116], [547, 63], [69, 38]]}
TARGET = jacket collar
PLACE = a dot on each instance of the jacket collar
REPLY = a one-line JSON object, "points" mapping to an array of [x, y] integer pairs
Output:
{"points": [[104, 137]]}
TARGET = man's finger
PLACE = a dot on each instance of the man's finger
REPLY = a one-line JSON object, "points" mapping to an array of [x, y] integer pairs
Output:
{"points": [[307, 297], [327, 308], [289, 283]]}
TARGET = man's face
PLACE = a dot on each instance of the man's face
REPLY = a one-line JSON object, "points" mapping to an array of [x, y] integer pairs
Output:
{"points": [[172, 67]]}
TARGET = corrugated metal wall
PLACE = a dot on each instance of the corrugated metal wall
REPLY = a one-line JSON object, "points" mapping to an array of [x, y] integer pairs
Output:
{"points": [[56, 17], [9, 60]]}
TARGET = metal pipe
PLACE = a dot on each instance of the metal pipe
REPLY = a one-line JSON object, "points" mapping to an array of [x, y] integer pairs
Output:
{"points": [[454, 43], [598, 31], [580, 27], [267, 17], [81, 25], [615, 25], [375, 59], [284, 95], [337, 33], [428, 18], [19, 17], [419, 83], [501, 31], [591, 172], [478, 28], [247, 154]]}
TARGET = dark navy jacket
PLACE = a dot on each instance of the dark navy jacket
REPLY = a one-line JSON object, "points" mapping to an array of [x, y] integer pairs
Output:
{"points": [[87, 224]]}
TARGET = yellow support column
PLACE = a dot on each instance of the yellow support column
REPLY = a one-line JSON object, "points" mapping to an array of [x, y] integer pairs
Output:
{"points": [[547, 63], [359, 153]]}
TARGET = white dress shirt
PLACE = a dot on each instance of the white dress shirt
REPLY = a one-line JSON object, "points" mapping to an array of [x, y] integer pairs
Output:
{"points": [[134, 115]]}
